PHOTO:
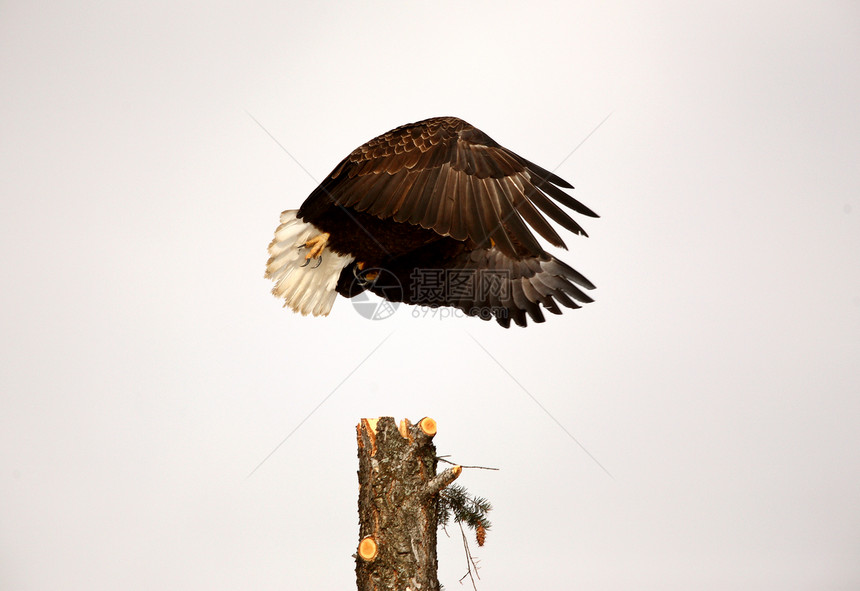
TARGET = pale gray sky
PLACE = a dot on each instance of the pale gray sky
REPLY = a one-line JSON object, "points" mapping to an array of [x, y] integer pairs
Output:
{"points": [[146, 368]]}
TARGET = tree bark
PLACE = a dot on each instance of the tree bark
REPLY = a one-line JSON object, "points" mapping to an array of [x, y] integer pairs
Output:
{"points": [[397, 505]]}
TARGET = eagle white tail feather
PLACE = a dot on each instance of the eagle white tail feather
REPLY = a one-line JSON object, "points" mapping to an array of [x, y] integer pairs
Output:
{"points": [[306, 288]]}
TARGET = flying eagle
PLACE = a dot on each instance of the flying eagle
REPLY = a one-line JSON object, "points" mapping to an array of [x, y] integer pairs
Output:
{"points": [[433, 213]]}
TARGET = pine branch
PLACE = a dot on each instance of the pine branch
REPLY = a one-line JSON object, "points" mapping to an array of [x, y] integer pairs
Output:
{"points": [[456, 502]]}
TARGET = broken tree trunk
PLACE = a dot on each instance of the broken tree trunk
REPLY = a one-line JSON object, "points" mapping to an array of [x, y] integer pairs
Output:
{"points": [[398, 502]]}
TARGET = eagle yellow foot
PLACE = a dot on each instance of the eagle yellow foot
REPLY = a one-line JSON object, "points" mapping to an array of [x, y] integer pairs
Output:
{"points": [[315, 247]]}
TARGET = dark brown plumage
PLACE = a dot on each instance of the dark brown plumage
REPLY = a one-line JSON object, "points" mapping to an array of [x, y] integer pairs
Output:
{"points": [[441, 194]]}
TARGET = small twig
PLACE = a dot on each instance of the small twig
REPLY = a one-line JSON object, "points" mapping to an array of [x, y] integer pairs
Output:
{"points": [[470, 561], [442, 458]]}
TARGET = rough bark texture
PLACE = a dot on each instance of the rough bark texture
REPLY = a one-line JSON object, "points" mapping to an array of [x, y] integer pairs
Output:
{"points": [[397, 505]]}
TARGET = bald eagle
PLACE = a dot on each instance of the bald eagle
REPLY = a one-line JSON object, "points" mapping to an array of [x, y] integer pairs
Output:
{"points": [[432, 213]]}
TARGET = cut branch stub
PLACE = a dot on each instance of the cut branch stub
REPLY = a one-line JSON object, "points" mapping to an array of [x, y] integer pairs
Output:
{"points": [[367, 548], [442, 480], [403, 428], [398, 504], [428, 426]]}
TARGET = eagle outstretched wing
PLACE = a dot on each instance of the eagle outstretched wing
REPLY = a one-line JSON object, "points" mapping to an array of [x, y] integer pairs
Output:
{"points": [[494, 285], [445, 175]]}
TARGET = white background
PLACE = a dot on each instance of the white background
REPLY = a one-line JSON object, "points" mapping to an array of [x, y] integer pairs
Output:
{"points": [[146, 369]]}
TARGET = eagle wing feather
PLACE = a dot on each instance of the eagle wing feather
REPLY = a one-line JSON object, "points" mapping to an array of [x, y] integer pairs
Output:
{"points": [[446, 175], [530, 283]]}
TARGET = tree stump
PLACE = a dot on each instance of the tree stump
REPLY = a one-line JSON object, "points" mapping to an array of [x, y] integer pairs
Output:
{"points": [[398, 502]]}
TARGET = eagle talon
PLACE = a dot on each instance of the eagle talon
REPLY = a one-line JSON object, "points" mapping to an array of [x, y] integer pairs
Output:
{"points": [[316, 245], [308, 262]]}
